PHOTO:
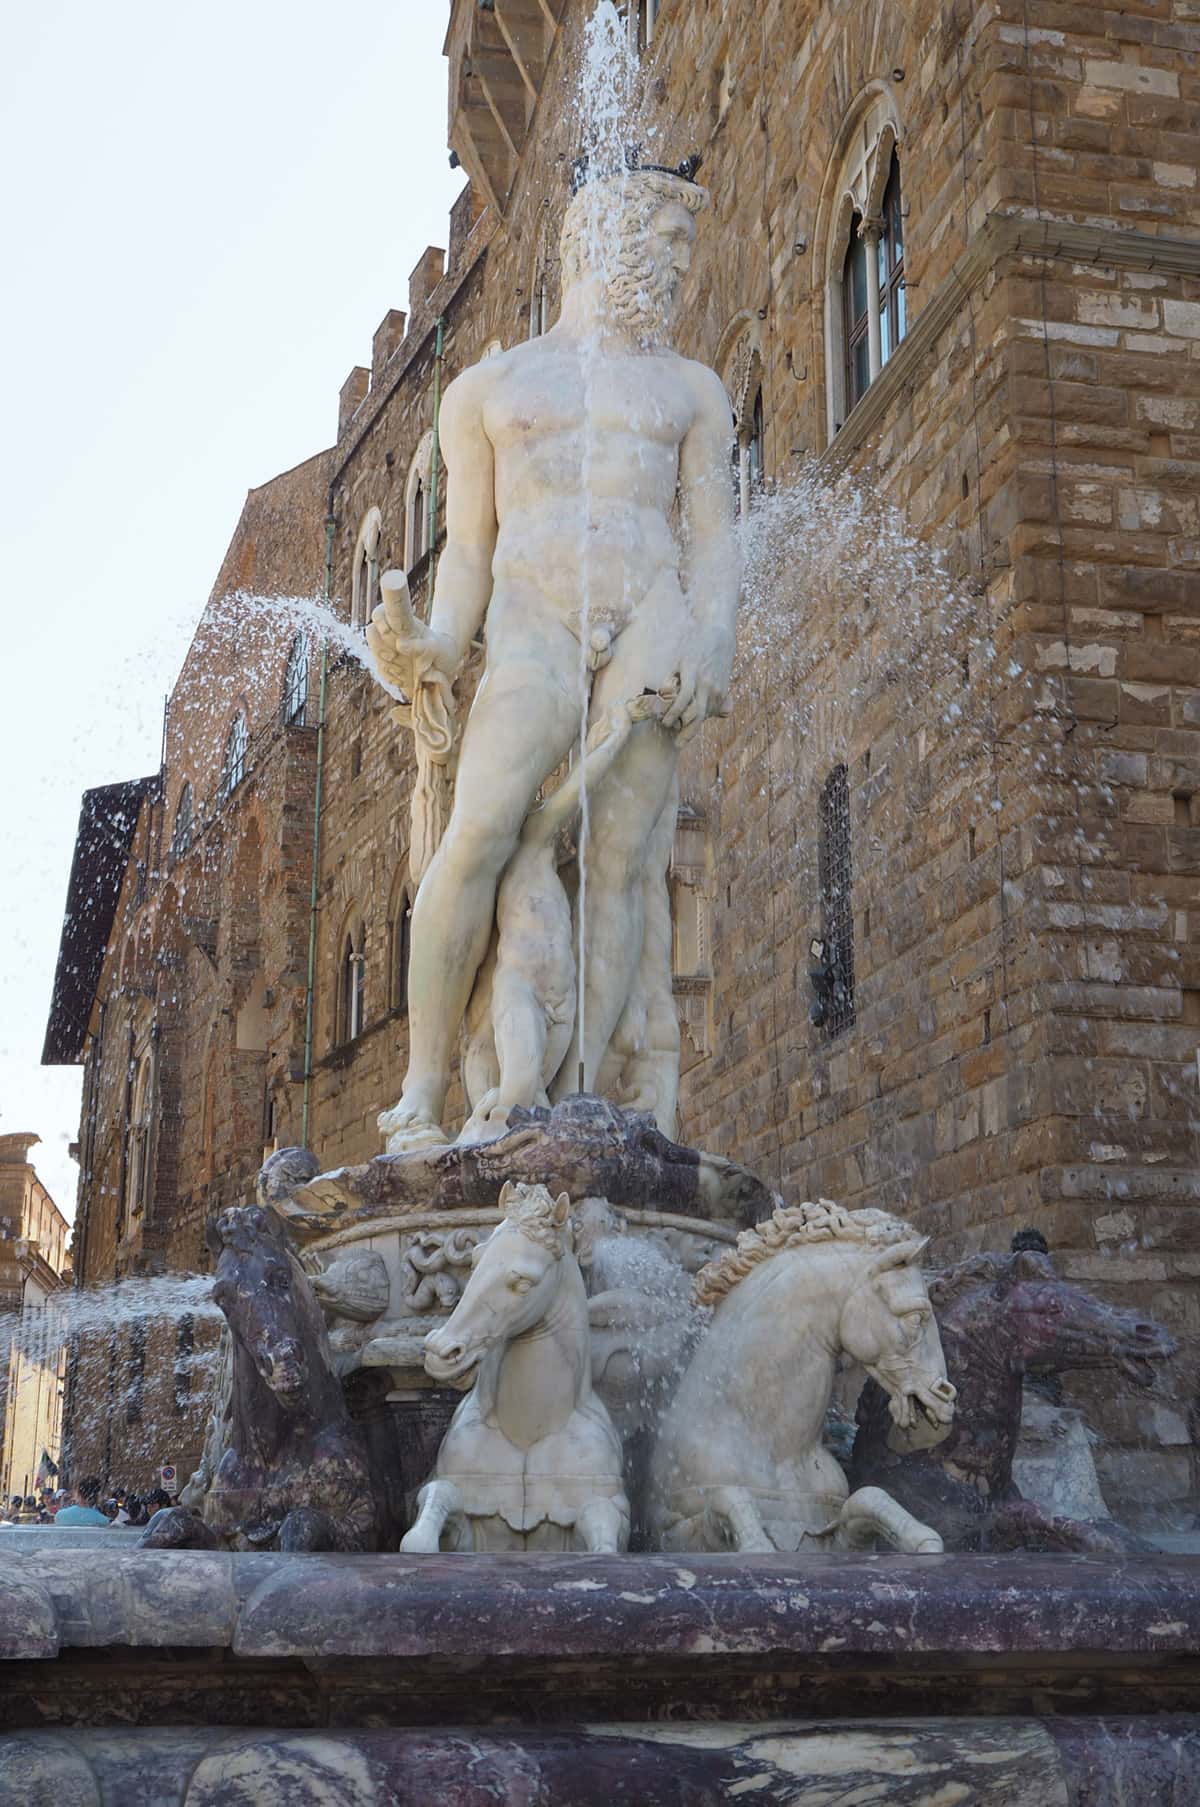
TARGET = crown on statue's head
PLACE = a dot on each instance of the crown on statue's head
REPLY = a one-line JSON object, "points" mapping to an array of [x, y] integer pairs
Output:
{"points": [[685, 169]]}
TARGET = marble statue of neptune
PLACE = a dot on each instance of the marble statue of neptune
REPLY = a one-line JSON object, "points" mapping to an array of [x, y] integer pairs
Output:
{"points": [[566, 457]]}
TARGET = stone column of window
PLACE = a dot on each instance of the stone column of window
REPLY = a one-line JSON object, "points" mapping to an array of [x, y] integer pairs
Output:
{"points": [[872, 231], [743, 476]]}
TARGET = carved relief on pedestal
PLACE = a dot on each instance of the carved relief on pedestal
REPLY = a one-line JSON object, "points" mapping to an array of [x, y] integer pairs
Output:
{"points": [[384, 1286]]}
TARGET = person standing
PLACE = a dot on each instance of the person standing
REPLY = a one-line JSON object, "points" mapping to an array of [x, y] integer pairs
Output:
{"points": [[85, 1510]]}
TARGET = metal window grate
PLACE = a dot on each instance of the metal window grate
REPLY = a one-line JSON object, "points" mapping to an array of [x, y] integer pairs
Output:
{"points": [[295, 682], [837, 913]]}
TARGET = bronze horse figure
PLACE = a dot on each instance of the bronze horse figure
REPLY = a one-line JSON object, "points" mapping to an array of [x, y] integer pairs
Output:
{"points": [[999, 1314], [294, 1474]]}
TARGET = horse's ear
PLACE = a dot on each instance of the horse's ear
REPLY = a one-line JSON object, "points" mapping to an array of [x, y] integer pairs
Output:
{"points": [[901, 1254], [562, 1210], [506, 1192]]}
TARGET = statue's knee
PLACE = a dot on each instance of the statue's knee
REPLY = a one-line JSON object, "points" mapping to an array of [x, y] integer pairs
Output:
{"points": [[480, 844]]}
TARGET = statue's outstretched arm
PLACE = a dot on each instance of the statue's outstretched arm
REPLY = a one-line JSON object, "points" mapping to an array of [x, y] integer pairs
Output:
{"points": [[711, 565], [464, 574]]}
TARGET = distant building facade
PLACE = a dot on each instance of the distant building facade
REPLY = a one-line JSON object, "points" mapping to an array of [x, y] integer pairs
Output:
{"points": [[35, 1273], [937, 933]]}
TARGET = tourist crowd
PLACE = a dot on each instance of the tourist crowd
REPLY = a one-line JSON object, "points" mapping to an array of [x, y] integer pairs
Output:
{"points": [[84, 1506]]}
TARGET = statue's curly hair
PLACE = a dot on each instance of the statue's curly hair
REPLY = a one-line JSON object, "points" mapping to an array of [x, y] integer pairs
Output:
{"points": [[630, 199]]}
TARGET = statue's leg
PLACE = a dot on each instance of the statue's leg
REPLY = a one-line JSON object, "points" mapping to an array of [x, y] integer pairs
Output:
{"points": [[733, 1522], [519, 1022], [436, 1502], [624, 811], [177, 1528], [651, 1073], [622, 819], [1019, 1524], [603, 1526], [871, 1513], [522, 724], [308, 1528]]}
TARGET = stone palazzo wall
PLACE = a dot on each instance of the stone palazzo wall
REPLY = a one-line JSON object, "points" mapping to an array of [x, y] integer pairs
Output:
{"points": [[1019, 741]]}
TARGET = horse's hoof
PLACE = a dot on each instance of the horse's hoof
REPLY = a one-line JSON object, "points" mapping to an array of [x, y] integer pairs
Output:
{"points": [[175, 1528], [412, 1544], [261, 1535], [307, 1528]]}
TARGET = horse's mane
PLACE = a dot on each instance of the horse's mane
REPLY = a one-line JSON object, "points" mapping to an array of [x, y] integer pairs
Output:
{"points": [[790, 1227], [531, 1210], [966, 1275]]}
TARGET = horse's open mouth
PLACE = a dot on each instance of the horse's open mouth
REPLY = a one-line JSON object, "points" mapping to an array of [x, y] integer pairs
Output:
{"points": [[460, 1373], [936, 1403]]}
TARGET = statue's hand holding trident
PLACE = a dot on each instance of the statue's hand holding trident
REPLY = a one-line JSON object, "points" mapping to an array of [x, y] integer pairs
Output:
{"points": [[415, 659]]}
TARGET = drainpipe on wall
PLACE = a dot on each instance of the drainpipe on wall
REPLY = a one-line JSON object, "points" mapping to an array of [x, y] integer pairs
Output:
{"points": [[330, 529], [438, 348]]}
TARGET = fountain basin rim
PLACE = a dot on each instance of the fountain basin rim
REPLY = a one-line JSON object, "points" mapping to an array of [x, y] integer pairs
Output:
{"points": [[471, 1216], [1078, 1609]]}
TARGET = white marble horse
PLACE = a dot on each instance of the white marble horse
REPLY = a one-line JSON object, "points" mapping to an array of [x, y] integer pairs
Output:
{"points": [[738, 1461], [531, 1459]]}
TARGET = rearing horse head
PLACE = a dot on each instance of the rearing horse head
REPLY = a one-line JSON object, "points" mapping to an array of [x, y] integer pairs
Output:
{"points": [[887, 1324], [1026, 1312], [514, 1276], [270, 1309], [867, 1259]]}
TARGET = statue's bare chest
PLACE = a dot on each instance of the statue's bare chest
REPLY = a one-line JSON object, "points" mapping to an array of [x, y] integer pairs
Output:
{"points": [[555, 396]]}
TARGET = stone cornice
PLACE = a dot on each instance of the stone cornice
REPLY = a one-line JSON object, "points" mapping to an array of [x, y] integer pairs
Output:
{"points": [[1002, 235]]}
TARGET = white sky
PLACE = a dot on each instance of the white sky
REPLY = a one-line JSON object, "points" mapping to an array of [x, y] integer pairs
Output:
{"points": [[207, 213]]}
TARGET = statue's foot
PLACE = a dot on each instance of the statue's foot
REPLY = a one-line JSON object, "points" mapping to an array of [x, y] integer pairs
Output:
{"points": [[488, 1121], [411, 1123]]}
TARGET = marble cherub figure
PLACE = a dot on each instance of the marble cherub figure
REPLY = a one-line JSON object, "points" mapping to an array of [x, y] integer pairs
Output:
{"points": [[566, 457]]}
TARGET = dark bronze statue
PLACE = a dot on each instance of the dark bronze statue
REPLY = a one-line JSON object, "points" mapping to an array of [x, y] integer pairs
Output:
{"points": [[1000, 1316], [294, 1473]]}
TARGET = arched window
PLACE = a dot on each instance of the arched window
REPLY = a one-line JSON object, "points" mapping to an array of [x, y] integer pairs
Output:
{"points": [[351, 985], [855, 316], [538, 306], [862, 224], [418, 510], [234, 768], [365, 579], [181, 836], [755, 452], [748, 453], [642, 18], [401, 940], [416, 503], [893, 312], [295, 681], [740, 362]]}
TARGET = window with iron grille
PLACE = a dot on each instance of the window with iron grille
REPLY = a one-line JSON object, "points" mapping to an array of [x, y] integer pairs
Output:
{"points": [[837, 916], [295, 681], [181, 839], [236, 742]]}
